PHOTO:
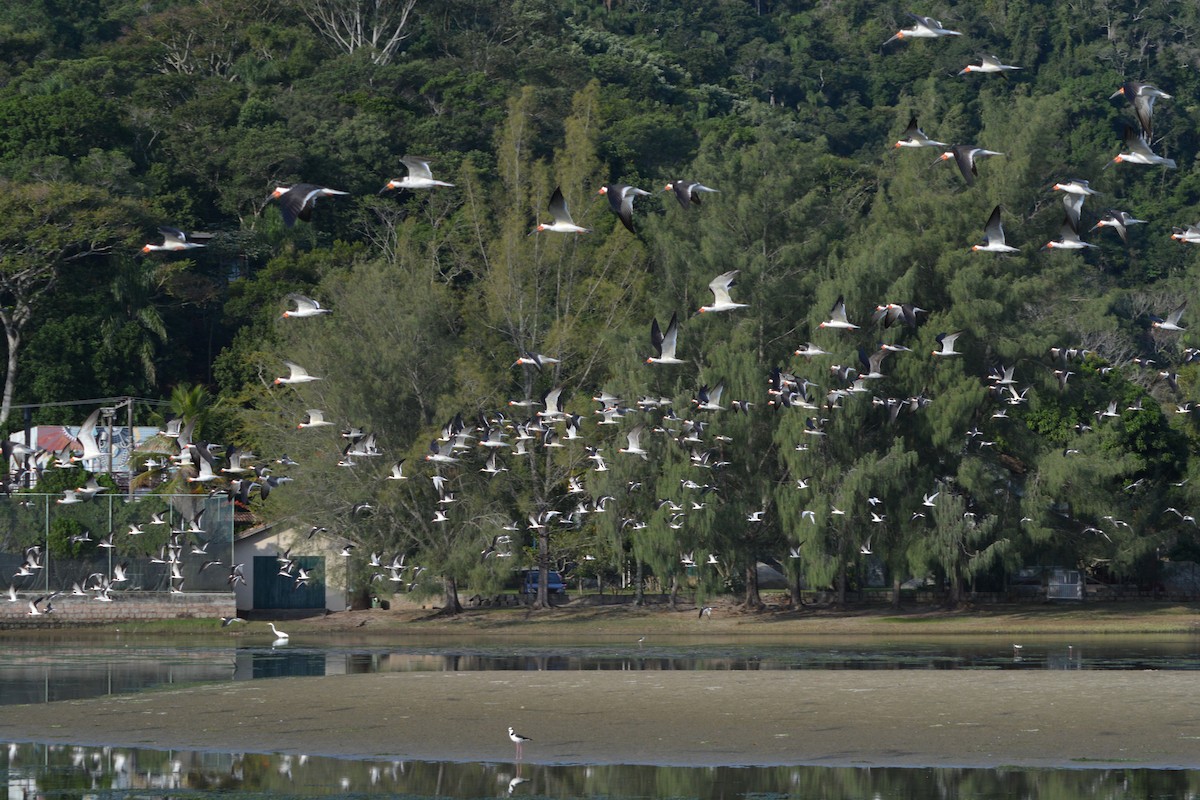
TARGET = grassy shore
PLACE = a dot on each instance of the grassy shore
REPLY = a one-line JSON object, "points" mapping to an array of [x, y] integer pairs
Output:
{"points": [[582, 619]]}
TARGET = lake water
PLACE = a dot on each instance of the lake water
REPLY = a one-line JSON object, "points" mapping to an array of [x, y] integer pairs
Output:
{"points": [[34, 770], [52, 669], [48, 669]]}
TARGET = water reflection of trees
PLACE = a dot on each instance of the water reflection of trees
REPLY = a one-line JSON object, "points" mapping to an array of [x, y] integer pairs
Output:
{"points": [[35, 674], [64, 770]]}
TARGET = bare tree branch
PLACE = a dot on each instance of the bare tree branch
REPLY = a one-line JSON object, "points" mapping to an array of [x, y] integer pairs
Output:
{"points": [[352, 25]]}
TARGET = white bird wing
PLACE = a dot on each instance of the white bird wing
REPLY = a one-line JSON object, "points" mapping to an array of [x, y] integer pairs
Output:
{"points": [[1069, 232], [87, 438], [994, 230], [634, 437], [627, 195], [297, 371], [670, 338], [656, 337], [1175, 315], [417, 167], [173, 236], [838, 312], [720, 286], [304, 303], [558, 207], [1137, 143], [203, 467], [1074, 206]]}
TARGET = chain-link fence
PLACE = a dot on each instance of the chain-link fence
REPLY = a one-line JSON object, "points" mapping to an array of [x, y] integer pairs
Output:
{"points": [[144, 543]]}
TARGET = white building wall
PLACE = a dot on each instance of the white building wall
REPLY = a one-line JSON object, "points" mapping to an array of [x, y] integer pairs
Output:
{"points": [[278, 540]]}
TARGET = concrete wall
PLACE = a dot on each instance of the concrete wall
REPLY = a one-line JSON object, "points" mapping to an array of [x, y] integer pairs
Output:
{"points": [[140, 606]]}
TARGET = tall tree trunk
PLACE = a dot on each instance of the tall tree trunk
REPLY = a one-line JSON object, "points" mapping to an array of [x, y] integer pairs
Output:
{"points": [[955, 599], [753, 600], [639, 590], [794, 590], [673, 599], [896, 590], [450, 604], [841, 581], [12, 333], [543, 597]]}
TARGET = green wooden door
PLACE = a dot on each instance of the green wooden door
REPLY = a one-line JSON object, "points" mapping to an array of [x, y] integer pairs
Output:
{"points": [[275, 591]]}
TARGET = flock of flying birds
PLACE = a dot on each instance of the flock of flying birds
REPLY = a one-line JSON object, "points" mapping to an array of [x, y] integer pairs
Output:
{"points": [[187, 545], [549, 425]]}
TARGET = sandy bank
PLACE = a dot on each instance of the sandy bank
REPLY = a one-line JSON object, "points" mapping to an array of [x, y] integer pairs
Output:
{"points": [[895, 718]]}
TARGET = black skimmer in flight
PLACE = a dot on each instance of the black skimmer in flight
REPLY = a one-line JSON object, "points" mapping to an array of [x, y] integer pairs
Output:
{"points": [[87, 439], [297, 374], [720, 288], [837, 316], [987, 64], [1120, 222], [923, 28], [664, 343], [535, 360], [175, 240], [915, 137], [305, 307], [1189, 235], [36, 609], [313, 418], [1171, 323], [620, 198], [946, 342], [562, 217], [297, 202], [1141, 96], [1075, 192], [634, 438], [1075, 186], [687, 192], [1068, 237], [965, 156], [993, 238], [891, 313], [419, 176], [1137, 151]]}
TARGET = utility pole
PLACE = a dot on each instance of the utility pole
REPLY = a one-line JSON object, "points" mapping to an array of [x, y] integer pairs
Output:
{"points": [[107, 414], [28, 473], [132, 446]]}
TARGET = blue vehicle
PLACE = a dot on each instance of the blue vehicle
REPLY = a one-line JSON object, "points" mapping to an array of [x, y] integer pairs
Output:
{"points": [[554, 582]]}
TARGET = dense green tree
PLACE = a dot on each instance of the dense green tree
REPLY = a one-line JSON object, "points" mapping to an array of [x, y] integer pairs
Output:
{"points": [[43, 229], [120, 118]]}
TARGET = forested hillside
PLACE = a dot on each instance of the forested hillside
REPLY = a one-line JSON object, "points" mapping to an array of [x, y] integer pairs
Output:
{"points": [[1057, 427]]}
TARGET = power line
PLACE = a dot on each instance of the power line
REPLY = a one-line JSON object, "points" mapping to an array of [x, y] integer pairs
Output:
{"points": [[102, 400]]}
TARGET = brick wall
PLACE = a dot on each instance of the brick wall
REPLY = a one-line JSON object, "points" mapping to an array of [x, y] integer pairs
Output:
{"points": [[139, 606]]}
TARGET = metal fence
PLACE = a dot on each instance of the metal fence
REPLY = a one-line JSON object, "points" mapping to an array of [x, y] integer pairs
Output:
{"points": [[143, 543]]}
